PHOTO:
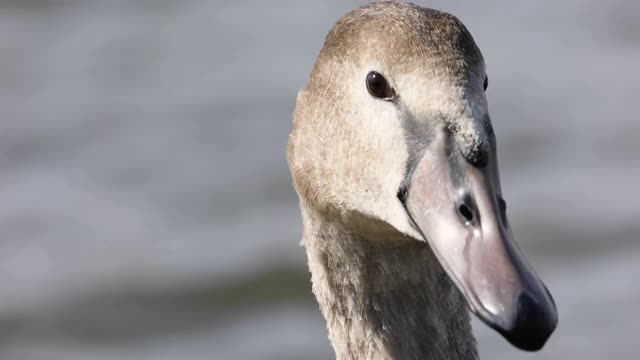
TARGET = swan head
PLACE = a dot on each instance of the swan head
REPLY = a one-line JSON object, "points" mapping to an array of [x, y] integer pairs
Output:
{"points": [[392, 137]]}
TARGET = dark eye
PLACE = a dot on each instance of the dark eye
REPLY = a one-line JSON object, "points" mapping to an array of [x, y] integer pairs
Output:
{"points": [[378, 86], [486, 83]]}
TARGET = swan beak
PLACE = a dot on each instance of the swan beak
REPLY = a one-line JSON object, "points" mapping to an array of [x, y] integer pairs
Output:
{"points": [[458, 209]]}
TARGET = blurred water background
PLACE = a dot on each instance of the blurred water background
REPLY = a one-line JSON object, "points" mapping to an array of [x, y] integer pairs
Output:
{"points": [[146, 210]]}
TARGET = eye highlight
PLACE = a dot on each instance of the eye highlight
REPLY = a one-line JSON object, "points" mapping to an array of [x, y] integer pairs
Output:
{"points": [[379, 87], [485, 85]]}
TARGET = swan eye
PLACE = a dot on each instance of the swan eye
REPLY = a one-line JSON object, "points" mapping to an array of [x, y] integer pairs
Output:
{"points": [[486, 82], [379, 87]]}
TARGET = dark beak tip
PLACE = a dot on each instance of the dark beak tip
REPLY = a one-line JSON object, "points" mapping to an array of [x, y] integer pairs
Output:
{"points": [[531, 329], [534, 325], [528, 342]]}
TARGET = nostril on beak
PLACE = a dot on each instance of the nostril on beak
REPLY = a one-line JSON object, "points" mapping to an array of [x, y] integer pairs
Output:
{"points": [[466, 212], [502, 205], [466, 209]]}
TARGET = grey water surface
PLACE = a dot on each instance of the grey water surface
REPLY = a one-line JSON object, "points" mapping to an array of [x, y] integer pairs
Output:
{"points": [[146, 210]]}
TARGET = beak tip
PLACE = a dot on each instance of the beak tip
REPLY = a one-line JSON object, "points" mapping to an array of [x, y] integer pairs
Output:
{"points": [[533, 326]]}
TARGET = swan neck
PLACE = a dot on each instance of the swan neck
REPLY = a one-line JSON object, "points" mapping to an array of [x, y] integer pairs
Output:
{"points": [[384, 299]]}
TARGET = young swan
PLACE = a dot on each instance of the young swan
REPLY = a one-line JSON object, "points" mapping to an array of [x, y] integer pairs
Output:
{"points": [[394, 159]]}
